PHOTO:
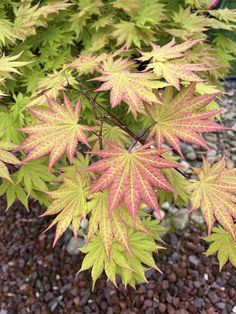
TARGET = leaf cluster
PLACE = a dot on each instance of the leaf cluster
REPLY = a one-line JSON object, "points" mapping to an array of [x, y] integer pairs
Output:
{"points": [[91, 94]]}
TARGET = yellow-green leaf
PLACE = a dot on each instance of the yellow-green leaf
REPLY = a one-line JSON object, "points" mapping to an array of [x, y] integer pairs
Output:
{"points": [[214, 192]]}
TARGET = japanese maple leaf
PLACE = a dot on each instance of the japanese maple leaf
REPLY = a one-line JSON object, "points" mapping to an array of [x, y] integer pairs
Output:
{"points": [[132, 88], [131, 176], [161, 61], [168, 51], [214, 192], [178, 118], [173, 72], [114, 226], [69, 204], [222, 243], [58, 133], [109, 227], [6, 157], [86, 63]]}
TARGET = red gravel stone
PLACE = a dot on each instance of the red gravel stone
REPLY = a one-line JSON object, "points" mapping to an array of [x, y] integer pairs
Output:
{"points": [[35, 278], [172, 277], [162, 308]]}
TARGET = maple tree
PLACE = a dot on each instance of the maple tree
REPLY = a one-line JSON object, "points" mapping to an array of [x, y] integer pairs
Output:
{"points": [[90, 128]]}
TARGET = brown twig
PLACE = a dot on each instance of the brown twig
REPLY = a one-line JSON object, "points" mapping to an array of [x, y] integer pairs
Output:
{"points": [[113, 118], [100, 134]]}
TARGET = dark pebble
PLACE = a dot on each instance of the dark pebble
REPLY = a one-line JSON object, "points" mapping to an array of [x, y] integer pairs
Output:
{"points": [[221, 305], [213, 297], [142, 289], [147, 304], [150, 311], [232, 282], [199, 303], [194, 260], [84, 298], [162, 308], [49, 296], [165, 284], [172, 277], [197, 284]]}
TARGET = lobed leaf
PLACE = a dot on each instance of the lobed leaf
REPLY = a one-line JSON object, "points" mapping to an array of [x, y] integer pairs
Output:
{"points": [[214, 192], [58, 133], [179, 118], [161, 61], [69, 204], [124, 85], [131, 176], [131, 268], [222, 243], [7, 157]]}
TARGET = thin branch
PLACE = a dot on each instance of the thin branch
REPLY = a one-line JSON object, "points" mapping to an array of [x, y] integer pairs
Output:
{"points": [[113, 118], [100, 134], [142, 135], [186, 175]]}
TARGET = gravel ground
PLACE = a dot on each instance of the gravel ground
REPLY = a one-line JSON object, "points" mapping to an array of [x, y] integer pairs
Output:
{"points": [[38, 279]]}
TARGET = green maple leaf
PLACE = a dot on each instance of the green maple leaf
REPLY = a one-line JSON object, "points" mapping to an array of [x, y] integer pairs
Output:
{"points": [[80, 162], [127, 6], [128, 33], [198, 4], [103, 22], [88, 63], [111, 227], [6, 34], [13, 191], [214, 192], [95, 43], [131, 268], [149, 13], [34, 176], [87, 8], [28, 18], [111, 133], [226, 15], [6, 157], [187, 24], [8, 65], [225, 43], [69, 204], [178, 181], [51, 84], [9, 126], [222, 243]]}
